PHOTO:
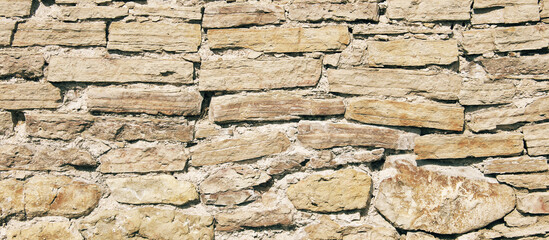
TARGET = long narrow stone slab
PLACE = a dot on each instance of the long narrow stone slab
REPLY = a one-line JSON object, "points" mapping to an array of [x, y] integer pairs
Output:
{"points": [[76, 13], [142, 160], [393, 113], [29, 95], [235, 75], [508, 12], [462, 146], [228, 15], [474, 93], [313, 12], [6, 32], [515, 165], [57, 126], [162, 189], [43, 33], [505, 39], [15, 8], [75, 69], [132, 129], [25, 63], [429, 10], [536, 67], [530, 180], [536, 203], [188, 13], [537, 139], [38, 158], [544, 10], [411, 52], [322, 135]]}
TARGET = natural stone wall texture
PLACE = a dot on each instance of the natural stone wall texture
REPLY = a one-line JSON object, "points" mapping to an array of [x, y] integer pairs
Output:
{"points": [[274, 119]]}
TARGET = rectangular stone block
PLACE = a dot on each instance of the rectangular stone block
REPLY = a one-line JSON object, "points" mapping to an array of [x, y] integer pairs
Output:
{"points": [[168, 100], [160, 189], [6, 31], [537, 139], [240, 14], [74, 2], [315, 12], [43, 33], [393, 113], [530, 180], [154, 36], [322, 135], [329, 38], [24, 63], [409, 52], [6, 123], [15, 8], [57, 126], [394, 82], [187, 13], [272, 106], [387, 29], [76, 69], [508, 14], [40, 158], [515, 165], [76, 13], [245, 147], [505, 39], [536, 67], [29, 95], [501, 3], [463, 146], [475, 93], [544, 7], [133, 129], [429, 10], [162, 158], [237, 75]]}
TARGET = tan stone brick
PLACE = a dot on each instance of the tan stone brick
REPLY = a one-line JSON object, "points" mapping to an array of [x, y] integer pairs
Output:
{"points": [[475, 93], [536, 203], [15, 8], [429, 10], [337, 12], [76, 13], [43, 33], [162, 158], [164, 189], [82, 1], [37, 158], [6, 32], [505, 39], [11, 199], [515, 165], [29, 95], [57, 126], [500, 3], [6, 123], [188, 13], [239, 14], [530, 180], [544, 7], [132, 129], [410, 52], [536, 67], [387, 29], [510, 12], [44, 230], [24, 63], [537, 139]]}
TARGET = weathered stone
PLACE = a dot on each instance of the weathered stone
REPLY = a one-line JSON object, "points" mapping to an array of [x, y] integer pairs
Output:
{"points": [[322, 160], [152, 189], [43, 33], [539, 228], [410, 52], [207, 130], [235, 75], [74, 2], [394, 82], [544, 9], [248, 146], [505, 39], [338, 12], [515, 165], [474, 93], [419, 236], [57, 126], [29, 95], [6, 123], [418, 199], [11, 198], [536, 203], [537, 139], [530, 181], [240, 14], [152, 159], [491, 118], [387, 29], [286, 163], [74, 14], [21, 63], [343, 190], [15, 8], [6, 31], [44, 230], [360, 156], [272, 106], [385, 112], [516, 11], [154, 36], [28, 157], [500, 3], [324, 230], [429, 10], [517, 219], [147, 223], [322, 135], [166, 100], [230, 198], [188, 13], [327, 229], [329, 38], [132, 129], [69, 69], [462, 146], [536, 67]]}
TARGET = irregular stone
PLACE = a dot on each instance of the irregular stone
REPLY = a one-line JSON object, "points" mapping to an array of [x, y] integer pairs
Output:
{"points": [[324, 230], [410, 52], [429, 10], [340, 191], [187, 13], [29, 95], [418, 199], [74, 14], [147, 223], [544, 9], [536, 67], [360, 156], [499, 3], [272, 106], [327, 229], [329, 38], [132, 129], [321, 160], [286, 163], [57, 126], [208, 130], [338, 12], [394, 82], [21, 63], [229, 198], [237, 75], [517, 219], [28, 157], [6, 123], [537, 140], [322, 135], [142, 160], [241, 14], [462, 146], [6, 32], [15, 8], [44, 230], [386, 29], [505, 39], [539, 228], [474, 93], [419, 236], [530, 181], [164, 189], [426, 115], [154, 36], [75, 2], [167, 100], [508, 14], [536, 203], [248, 146], [515, 165], [71, 69], [43, 33], [11, 199]]}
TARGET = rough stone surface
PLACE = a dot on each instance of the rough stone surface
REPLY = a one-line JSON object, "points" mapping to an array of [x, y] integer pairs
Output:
{"points": [[544, 9], [530, 181], [515, 165], [40, 33], [418, 199], [15, 8], [57, 126], [169, 11], [152, 159], [241, 14], [505, 39], [338, 12], [536, 66], [163, 189], [44, 230], [537, 140], [6, 123], [475, 93], [536, 203], [409, 52], [29, 95], [524, 11], [74, 14], [29, 157], [21, 63], [429, 10], [327, 229], [6, 32]]}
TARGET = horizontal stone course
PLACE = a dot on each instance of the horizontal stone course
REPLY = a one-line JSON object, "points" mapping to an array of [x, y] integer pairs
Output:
{"points": [[29, 95], [409, 52], [241, 14], [43, 33]]}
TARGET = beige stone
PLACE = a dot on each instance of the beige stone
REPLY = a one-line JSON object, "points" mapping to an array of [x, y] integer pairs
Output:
{"points": [[249, 146], [29, 95], [530, 181], [536, 203], [515, 165], [394, 82], [237, 75], [240, 14], [6, 32], [168, 100], [420, 236], [74, 2], [72, 69], [462, 146], [142, 160], [272, 106], [537, 139], [324, 230], [337, 12], [57, 126], [524, 233], [286, 163], [43, 33], [536, 67], [500, 3], [429, 10], [188, 13], [74, 14], [426, 115], [11, 199], [387, 29], [164, 189], [517, 219], [29, 157], [515, 13], [23, 63], [154, 36], [474, 93], [15, 8], [322, 135], [418, 199], [327, 229], [44, 230], [148, 223], [505, 39], [340, 191], [230, 198], [329, 38], [6, 123], [411, 52], [544, 9]]}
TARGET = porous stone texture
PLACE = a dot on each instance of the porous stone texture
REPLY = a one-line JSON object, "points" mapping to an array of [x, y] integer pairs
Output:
{"points": [[241, 14], [45, 230], [152, 189], [21, 63], [410, 52], [30, 157], [505, 39], [29, 95], [429, 10], [17, 8], [533, 203], [41, 33], [163, 158], [536, 138], [515, 11]]}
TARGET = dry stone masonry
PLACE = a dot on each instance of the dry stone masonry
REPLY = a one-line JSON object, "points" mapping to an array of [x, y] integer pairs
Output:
{"points": [[274, 119]]}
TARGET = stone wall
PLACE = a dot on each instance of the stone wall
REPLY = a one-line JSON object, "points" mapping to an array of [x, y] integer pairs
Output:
{"points": [[282, 119]]}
